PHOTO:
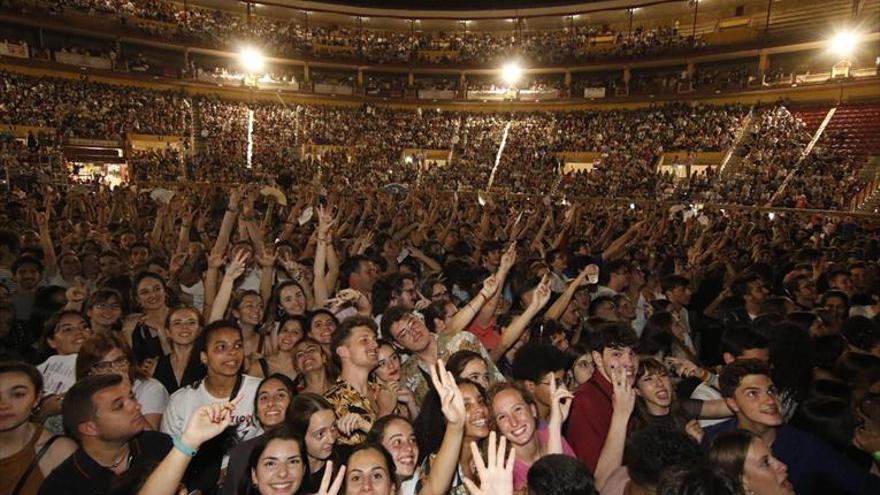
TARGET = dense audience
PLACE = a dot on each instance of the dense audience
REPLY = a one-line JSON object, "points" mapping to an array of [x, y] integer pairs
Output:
{"points": [[326, 336], [299, 37]]}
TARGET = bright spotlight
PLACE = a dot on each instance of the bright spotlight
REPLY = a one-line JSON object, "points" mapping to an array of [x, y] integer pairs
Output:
{"points": [[511, 73], [251, 59], [844, 43]]}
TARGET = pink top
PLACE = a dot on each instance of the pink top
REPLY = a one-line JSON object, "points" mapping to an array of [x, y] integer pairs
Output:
{"points": [[521, 469]]}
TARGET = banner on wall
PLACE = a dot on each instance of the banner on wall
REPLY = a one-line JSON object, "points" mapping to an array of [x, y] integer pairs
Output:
{"points": [[437, 94], [17, 50], [594, 92], [333, 89], [83, 60]]}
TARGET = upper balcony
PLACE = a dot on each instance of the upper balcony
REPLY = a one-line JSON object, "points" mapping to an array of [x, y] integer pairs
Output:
{"points": [[596, 33]]}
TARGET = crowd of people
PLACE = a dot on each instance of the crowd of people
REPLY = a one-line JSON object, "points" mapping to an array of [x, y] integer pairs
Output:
{"points": [[299, 37], [329, 337], [365, 146]]}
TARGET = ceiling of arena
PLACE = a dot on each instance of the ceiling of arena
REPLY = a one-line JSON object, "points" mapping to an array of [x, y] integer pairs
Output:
{"points": [[495, 15]]}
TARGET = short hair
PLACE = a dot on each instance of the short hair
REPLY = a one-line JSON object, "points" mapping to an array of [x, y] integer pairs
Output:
{"points": [[828, 294], [26, 260], [345, 330], [201, 343], [27, 369], [740, 286], [735, 341], [651, 450], [350, 266], [598, 301], [559, 474], [390, 317], [50, 327], [732, 375], [78, 407], [534, 360], [611, 267], [829, 418], [673, 281], [613, 336], [698, 478], [861, 333], [104, 294]]}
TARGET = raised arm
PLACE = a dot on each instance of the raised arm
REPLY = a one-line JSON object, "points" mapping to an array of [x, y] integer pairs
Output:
{"points": [[558, 307], [324, 238], [623, 401], [452, 403], [514, 330], [463, 316], [233, 270]]}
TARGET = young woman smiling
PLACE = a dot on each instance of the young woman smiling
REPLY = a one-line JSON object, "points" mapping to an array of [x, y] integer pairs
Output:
{"points": [[387, 374], [145, 331], [181, 367], [289, 332]]}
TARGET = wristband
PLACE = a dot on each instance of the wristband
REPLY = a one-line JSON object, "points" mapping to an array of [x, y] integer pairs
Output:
{"points": [[183, 448]]}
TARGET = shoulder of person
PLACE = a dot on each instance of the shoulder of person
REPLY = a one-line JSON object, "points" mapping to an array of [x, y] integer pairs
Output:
{"points": [[149, 385], [150, 440]]}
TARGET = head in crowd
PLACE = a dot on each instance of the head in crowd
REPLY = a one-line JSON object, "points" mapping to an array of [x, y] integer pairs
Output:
{"points": [[20, 388], [291, 330], [698, 478], [106, 353], [514, 413], [149, 291], [535, 365], [469, 365], [354, 344], [743, 343], [388, 369], [406, 329], [397, 435], [277, 464], [314, 416], [370, 469], [309, 356], [649, 452], [247, 309], [101, 410], [104, 309], [289, 299], [322, 325], [221, 348], [750, 393], [65, 332], [273, 399], [747, 459], [612, 345], [184, 325], [581, 368], [559, 474]]}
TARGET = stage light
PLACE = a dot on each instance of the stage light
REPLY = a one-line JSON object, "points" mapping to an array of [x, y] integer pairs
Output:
{"points": [[511, 73], [844, 42], [251, 59]]}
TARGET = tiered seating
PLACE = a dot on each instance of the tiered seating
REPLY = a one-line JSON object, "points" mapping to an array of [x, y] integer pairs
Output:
{"points": [[855, 130], [811, 116]]}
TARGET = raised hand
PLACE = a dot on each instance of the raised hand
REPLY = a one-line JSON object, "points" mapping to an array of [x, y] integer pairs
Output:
{"points": [[207, 422], [541, 294], [509, 257], [560, 404], [236, 267], [451, 400], [77, 292], [490, 285], [267, 260], [328, 487], [496, 477], [177, 262], [623, 398], [351, 423]]}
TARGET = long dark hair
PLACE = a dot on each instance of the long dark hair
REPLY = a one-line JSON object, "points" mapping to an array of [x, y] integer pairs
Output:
{"points": [[643, 418], [430, 424], [247, 486]]}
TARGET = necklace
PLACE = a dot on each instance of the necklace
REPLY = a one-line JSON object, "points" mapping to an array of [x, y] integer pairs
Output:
{"points": [[120, 458]]}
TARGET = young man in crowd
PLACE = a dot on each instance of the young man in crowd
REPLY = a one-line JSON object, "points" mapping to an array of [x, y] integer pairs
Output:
{"points": [[534, 365], [677, 290], [102, 415], [749, 293], [611, 346], [736, 343], [358, 401], [812, 464], [27, 273]]}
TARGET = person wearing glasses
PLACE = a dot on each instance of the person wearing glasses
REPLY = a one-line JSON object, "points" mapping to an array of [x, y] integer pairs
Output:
{"points": [[104, 310], [102, 354]]}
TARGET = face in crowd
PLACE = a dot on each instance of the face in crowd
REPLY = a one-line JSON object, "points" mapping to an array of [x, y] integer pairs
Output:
{"points": [[70, 332], [280, 469]]}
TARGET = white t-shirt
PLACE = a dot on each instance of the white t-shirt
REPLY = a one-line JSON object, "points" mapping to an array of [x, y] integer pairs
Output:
{"points": [[706, 392], [186, 400], [151, 394], [197, 291], [59, 374]]}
